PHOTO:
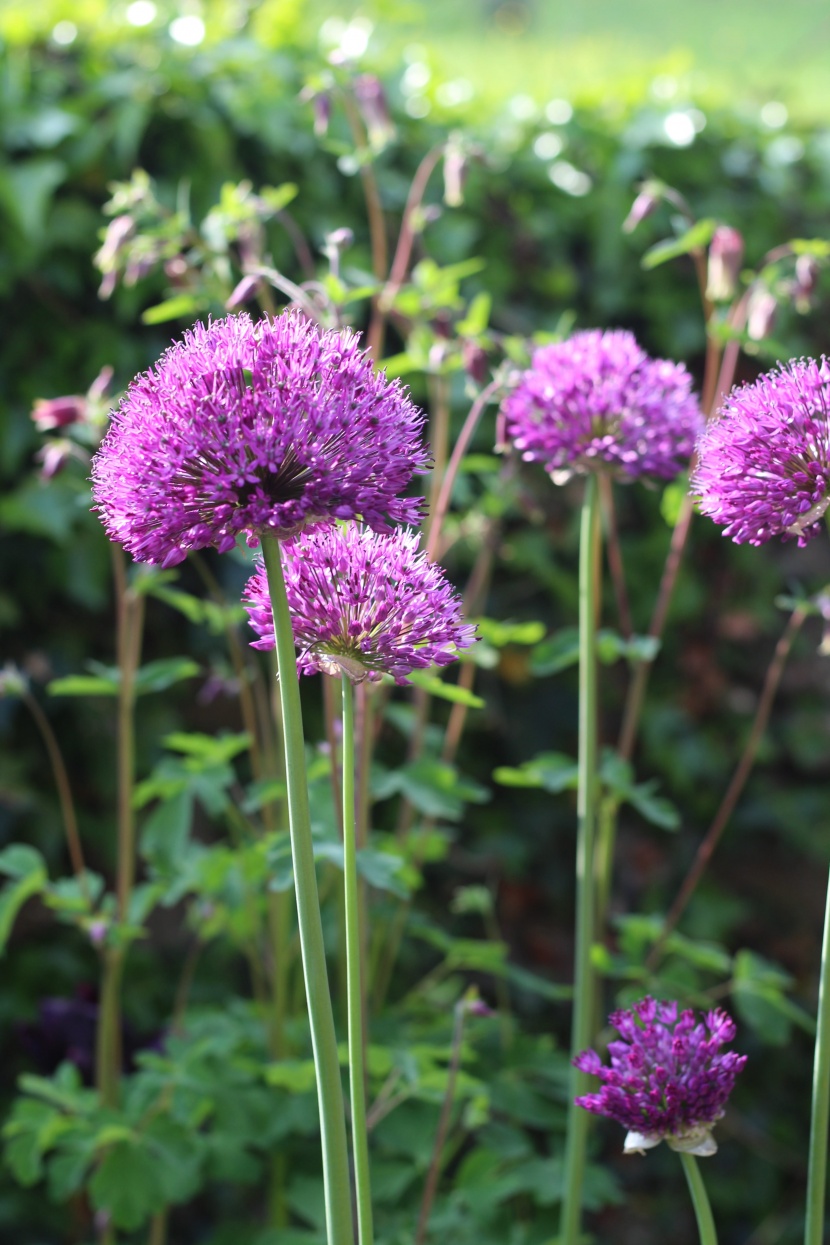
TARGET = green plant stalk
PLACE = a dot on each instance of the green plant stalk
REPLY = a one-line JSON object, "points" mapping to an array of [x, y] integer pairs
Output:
{"points": [[700, 1200], [584, 985], [820, 1115], [354, 988], [130, 619], [318, 998]]}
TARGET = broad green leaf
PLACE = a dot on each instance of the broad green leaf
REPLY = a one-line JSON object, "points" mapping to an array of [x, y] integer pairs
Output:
{"points": [[157, 676], [296, 1075], [551, 771], [180, 307], [558, 652], [698, 236], [445, 691], [382, 870], [128, 1185], [82, 685], [19, 860], [499, 634], [166, 832]]}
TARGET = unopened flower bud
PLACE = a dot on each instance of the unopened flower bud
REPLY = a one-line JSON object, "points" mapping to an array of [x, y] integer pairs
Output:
{"points": [[455, 174], [474, 359], [374, 109], [807, 269], [50, 413], [101, 384], [246, 290], [726, 252], [342, 239], [97, 931], [647, 201], [12, 681], [322, 113], [53, 456], [176, 270], [761, 313], [118, 233]]}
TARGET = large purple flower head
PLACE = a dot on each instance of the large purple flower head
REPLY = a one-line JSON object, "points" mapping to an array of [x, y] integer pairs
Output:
{"points": [[362, 603], [667, 1080], [597, 402], [255, 428], [764, 465]]}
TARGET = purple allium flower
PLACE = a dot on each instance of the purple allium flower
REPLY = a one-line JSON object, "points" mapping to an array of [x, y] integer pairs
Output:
{"points": [[255, 428], [363, 603], [764, 465], [667, 1080], [598, 402]]}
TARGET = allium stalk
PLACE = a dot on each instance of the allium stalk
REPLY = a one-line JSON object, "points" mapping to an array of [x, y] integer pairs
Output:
{"points": [[764, 465], [318, 996], [354, 977], [820, 1115], [576, 1140]]}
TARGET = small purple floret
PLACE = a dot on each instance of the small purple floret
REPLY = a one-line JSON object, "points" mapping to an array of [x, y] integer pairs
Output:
{"points": [[764, 464], [667, 1079], [251, 428], [597, 402], [362, 603]]}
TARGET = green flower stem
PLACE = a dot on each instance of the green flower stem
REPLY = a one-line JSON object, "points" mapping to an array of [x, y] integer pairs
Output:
{"points": [[700, 1200], [130, 624], [817, 1162], [321, 1019], [360, 1139], [584, 984]]}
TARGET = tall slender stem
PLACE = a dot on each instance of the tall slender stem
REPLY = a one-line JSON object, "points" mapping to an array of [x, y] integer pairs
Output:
{"points": [[578, 1119], [130, 618], [700, 1200], [434, 1173], [360, 1141], [820, 1115], [713, 835], [70, 821], [318, 997]]}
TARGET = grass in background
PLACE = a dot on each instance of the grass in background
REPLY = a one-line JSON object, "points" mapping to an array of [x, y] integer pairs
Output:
{"points": [[741, 52]]}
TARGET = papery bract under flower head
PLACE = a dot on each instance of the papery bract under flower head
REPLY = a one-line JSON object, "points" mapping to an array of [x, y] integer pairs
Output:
{"points": [[597, 402], [362, 603], [764, 465], [255, 428], [668, 1080]]}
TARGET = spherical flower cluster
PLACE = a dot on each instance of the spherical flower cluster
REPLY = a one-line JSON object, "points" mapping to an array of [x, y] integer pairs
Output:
{"points": [[362, 603], [255, 428], [598, 402], [667, 1080], [764, 465]]}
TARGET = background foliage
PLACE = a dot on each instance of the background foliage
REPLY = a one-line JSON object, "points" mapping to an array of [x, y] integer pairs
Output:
{"points": [[539, 231]]}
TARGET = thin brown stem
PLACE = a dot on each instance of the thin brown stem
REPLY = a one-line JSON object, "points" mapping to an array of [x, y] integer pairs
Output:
{"points": [[377, 222], [713, 835], [614, 554], [70, 822], [434, 1173], [442, 503], [158, 1229]]}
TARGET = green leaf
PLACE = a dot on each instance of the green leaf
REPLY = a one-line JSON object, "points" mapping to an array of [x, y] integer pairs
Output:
{"points": [[551, 771], [382, 870], [558, 652], [295, 1075], [18, 860], [181, 307], [157, 676], [128, 1185], [166, 832], [698, 236], [499, 634], [22, 887], [82, 685], [433, 787], [445, 691]]}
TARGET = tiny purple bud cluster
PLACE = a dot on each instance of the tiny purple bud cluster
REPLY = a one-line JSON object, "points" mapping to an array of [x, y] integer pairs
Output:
{"points": [[764, 465], [667, 1079], [362, 603], [598, 402], [251, 428]]}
